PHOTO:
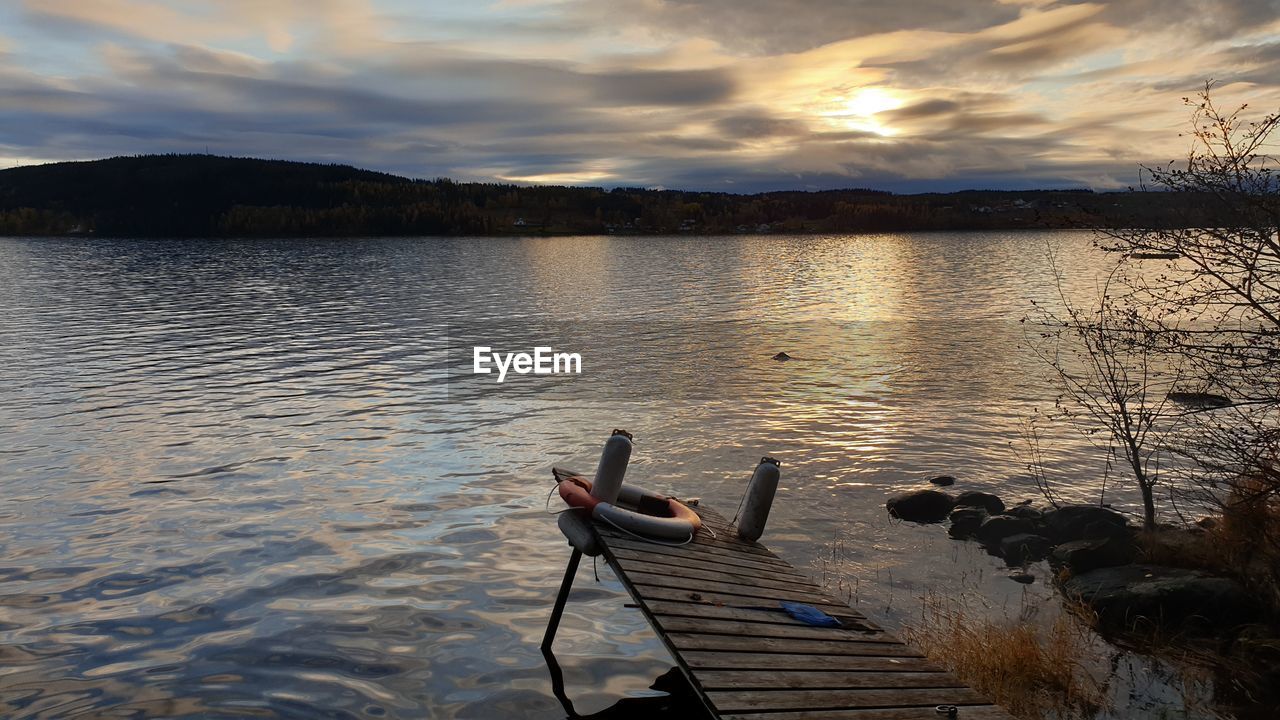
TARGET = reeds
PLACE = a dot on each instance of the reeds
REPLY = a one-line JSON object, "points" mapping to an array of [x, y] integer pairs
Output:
{"points": [[1036, 672]]}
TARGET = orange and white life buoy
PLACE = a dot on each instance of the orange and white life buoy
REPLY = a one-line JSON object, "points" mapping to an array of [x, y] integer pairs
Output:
{"points": [[654, 515]]}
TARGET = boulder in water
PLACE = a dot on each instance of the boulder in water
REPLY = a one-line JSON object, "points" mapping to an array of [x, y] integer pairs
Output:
{"points": [[1129, 595], [1026, 512], [1024, 547], [922, 506], [1082, 556], [1078, 522], [991, 503], [943, 480], [996, 528], [965, 522], [1199, 399]]}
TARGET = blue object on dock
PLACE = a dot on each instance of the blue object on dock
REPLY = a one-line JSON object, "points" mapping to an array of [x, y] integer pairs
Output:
{"points": [[809, 614]]}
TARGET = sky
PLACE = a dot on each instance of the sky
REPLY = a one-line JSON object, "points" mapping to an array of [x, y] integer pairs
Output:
{"points": [[727, 95]]}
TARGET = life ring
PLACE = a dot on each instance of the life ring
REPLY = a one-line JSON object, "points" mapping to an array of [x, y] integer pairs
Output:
{"points": [[655, 516]]}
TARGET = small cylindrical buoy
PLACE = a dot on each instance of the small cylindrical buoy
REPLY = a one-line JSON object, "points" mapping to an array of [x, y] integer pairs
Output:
{"points": [[759, 499], [576, 526], [613, 466]]}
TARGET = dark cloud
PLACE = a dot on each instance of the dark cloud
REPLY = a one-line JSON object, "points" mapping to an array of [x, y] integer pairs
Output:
{"points": [[758, 125], [1197, 19], [926, 109], [762, 27], [664, 87]]}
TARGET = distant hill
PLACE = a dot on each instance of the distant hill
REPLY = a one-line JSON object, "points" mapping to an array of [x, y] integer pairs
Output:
{"points": [[206, 195]]}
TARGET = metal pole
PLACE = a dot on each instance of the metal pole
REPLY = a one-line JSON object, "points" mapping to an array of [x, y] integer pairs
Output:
{"points": [[561, 599]]}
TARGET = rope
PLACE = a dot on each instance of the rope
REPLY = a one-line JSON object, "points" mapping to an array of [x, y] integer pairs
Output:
{"points": [[741, 500], [557, 512]]}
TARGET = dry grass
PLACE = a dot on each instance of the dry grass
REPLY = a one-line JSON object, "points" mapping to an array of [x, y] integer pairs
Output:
{"points": [[1249, 536], [1036, 673]]}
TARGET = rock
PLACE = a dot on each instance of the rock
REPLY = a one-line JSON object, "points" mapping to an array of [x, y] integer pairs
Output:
{"points": [[1167, 597], [1026, 512], [1024, 547], [1023, 577], [943, 480], [1208, 522], [1077, 522], [1082, 556], [782, 356], [987, 501], [922, 506], [965, 522], [998, 527], [1200, 399]]}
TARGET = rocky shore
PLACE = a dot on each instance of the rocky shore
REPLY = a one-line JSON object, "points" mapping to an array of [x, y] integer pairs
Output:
{"points": [[1139, 588]]}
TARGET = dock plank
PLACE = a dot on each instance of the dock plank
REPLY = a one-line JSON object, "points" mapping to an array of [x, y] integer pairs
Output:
{"points": [[693, 551], [755, 615], [732, 601], [699, 561], [767, 661], [756, 579], [970, 712], [801, 594], [712, 626], [758, 700], [790, 646], [714, 603], [821, 680]]}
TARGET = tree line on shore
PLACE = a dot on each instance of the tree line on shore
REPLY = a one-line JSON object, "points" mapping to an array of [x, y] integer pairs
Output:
{"points": [[206, 195]]}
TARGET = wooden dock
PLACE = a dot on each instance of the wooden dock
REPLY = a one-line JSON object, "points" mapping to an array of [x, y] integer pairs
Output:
{"points": [[714, 604]]}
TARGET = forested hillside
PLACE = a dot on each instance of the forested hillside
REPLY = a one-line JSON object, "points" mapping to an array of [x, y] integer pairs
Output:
{"points": [[205, 195]]}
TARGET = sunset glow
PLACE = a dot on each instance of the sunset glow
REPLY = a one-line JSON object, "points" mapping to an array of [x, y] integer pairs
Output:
{"points": [[859, 108], [674, 93]]}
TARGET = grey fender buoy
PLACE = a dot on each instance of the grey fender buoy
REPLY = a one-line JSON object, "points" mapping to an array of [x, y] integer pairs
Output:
{"points": [[612, 467], [576, 526], [759, 499]]}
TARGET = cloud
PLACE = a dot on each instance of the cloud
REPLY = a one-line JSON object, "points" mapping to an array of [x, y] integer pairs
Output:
{"points": [[744, 95], [758, 124], [664, 87], [760, 27]]}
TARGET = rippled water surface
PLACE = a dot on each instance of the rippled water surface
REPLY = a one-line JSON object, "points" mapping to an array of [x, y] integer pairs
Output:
{"points": [[249, 478]]}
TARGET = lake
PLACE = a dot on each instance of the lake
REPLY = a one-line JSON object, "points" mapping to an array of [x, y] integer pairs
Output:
{"points": [[255, 478]]}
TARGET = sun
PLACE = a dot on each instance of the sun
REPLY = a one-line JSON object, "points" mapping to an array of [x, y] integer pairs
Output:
{"points": [[857, 110]]}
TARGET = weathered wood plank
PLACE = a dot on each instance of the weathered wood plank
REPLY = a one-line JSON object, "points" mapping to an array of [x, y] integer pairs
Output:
{"points": [[730, 588], [755, 616], [790, 646], [700, 659], [653, 592], [970, 712], [718, 539], [685, 552], [760, 580], [756, 700], [736, 628], [821, 680], [700, 561]]}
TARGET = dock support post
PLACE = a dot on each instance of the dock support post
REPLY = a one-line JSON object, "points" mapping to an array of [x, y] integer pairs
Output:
{"points": [[561, 599]]}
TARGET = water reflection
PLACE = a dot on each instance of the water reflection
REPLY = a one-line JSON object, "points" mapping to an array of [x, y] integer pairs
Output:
{"points": [[242, 478]]}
